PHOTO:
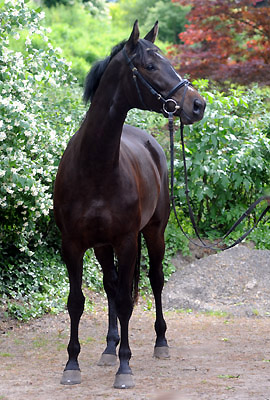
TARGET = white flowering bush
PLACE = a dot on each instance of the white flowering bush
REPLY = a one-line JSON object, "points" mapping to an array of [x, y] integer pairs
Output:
{"points": [[40, 107]]}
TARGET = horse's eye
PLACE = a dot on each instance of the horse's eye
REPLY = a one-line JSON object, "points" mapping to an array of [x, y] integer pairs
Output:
{"points": [[150, 67]]}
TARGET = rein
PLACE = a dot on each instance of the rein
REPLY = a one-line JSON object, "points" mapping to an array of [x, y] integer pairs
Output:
{"points": [[191, 214], [170, 107]]}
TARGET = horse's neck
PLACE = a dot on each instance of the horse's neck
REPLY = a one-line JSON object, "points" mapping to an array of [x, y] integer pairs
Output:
{"points": [[100, 134]]}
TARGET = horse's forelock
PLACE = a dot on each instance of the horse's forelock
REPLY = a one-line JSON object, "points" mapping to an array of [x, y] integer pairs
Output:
{"points": [[143, 48]]}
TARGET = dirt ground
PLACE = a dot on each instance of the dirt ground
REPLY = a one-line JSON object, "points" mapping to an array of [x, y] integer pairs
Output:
{"points": [[212, 357]]}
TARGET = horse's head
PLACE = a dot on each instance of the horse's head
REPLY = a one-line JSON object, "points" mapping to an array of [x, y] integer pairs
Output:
{"points": [[157, 85]]}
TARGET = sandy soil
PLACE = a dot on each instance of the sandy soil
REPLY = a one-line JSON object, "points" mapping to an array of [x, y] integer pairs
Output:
{"points": [[212, 357]]}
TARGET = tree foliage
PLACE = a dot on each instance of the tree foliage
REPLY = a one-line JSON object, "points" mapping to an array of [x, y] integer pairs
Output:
{"points": [[226, 40], [171, 16], [83, 37]]}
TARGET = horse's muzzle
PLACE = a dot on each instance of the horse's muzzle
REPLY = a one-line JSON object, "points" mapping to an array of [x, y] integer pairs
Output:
{"points": [[198, 108]]}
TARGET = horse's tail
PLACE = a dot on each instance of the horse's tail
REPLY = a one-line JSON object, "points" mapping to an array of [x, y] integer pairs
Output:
{"points": [[136, 278]]}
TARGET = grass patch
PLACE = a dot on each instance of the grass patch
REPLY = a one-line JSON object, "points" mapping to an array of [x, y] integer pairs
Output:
{"points": [[229, 376], [6, 355], [40, 342]]}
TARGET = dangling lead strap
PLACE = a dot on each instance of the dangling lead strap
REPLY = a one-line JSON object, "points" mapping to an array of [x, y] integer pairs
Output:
{"points": [[191, 214]]}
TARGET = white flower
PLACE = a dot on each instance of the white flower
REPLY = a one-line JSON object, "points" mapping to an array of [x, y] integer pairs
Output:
{"points": [[39, 77], [27, 41], [18, 106], [2, 136], [2, 172], [52, 81], [52, 134], [6, 101], [34, 191], [68, 119]]}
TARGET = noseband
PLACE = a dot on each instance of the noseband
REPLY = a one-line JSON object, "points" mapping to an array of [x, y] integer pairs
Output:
{"points": [[166, 101]]}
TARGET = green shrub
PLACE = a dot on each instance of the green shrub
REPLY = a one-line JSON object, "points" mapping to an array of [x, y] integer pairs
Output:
{"points": [[227, 156], [40, 106]]}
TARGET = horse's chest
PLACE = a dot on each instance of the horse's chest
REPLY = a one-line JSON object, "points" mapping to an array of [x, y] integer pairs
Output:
{"points": [[102, 217]]}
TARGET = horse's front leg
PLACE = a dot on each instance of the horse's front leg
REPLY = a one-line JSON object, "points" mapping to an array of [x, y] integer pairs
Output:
{"points": [[74, 262], [126, 255], [105, 257]]}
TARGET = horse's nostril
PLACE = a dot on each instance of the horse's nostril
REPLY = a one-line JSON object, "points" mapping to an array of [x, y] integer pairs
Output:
{"points": [[197, 106]]}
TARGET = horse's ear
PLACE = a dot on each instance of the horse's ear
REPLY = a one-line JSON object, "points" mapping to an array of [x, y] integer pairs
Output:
{"points": [[134, 37], [151, 36]]}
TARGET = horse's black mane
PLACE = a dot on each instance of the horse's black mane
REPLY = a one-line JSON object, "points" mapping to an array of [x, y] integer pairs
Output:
{"points": [[93, 78]]}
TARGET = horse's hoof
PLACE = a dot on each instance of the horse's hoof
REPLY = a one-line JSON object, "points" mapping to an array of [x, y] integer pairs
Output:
{"points": [[71, 377], [123, 381], [107, 360], [162, 352]]}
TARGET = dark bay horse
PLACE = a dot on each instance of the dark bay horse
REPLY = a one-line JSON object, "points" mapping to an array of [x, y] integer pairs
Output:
{"points": [[112, 185]]}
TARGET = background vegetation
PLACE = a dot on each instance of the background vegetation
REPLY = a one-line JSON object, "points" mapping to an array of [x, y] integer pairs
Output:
{"points": [[226, 40], [44, 57]]}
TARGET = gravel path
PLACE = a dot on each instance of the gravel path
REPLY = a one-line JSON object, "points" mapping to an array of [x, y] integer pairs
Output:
{"points": [[235, 281], [213, 356]]}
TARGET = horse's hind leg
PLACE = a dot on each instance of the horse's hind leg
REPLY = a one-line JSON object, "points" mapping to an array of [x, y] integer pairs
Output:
{"points": [[126, 254], [105, 257], [74, 261], [154, 237]]}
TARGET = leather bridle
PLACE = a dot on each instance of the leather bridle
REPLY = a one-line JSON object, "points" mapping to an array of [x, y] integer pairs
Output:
{"points": [[166, 101]]}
